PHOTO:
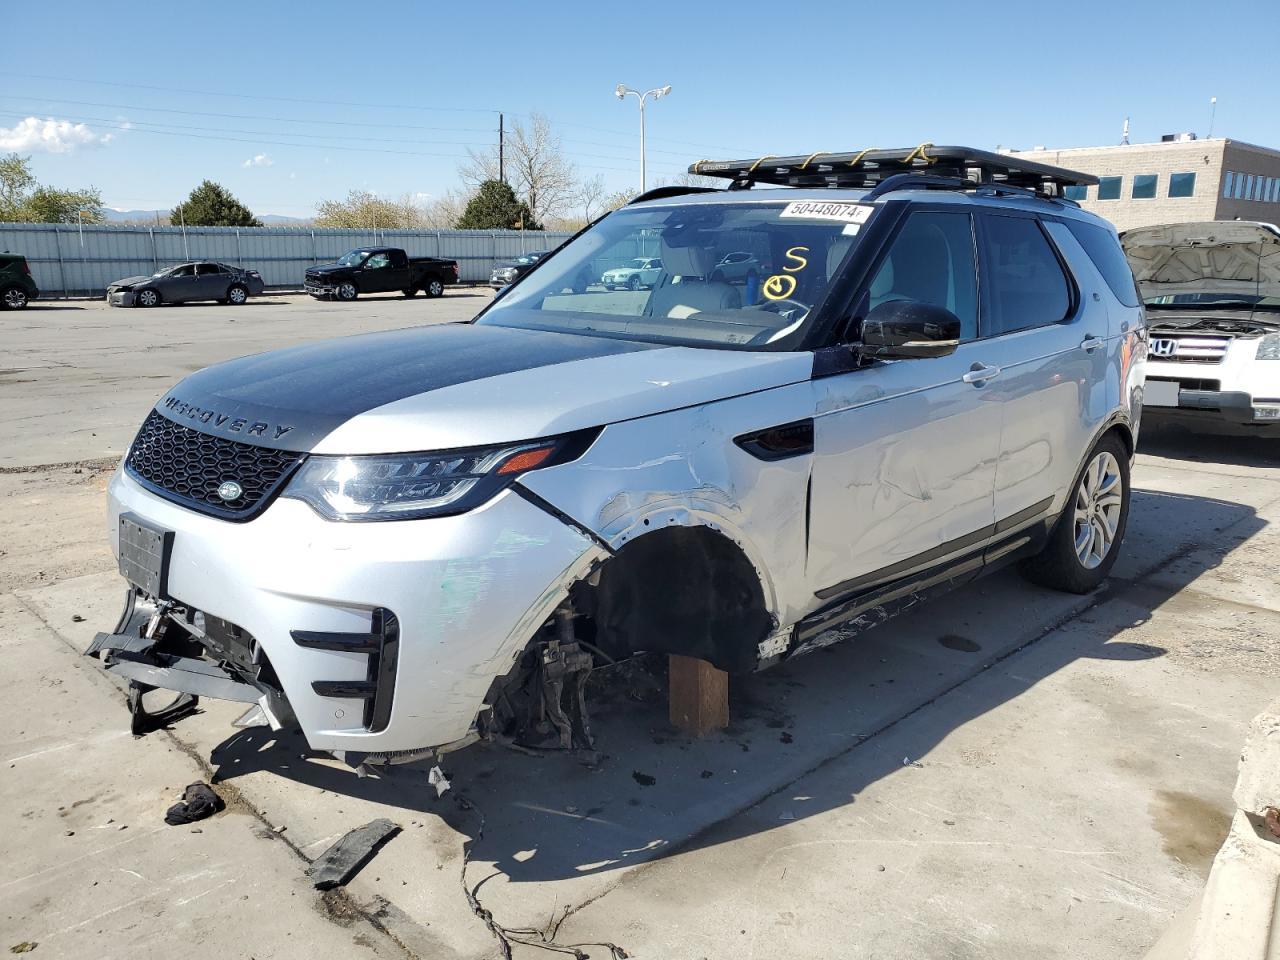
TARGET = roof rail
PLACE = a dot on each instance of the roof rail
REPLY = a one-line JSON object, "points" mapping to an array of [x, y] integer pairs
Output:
{"points": [[675, 190], [872, 167], [928, 181]]}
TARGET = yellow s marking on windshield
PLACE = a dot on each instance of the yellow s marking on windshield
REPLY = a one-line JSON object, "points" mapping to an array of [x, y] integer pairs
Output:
{"points": [[780, 286], [801, 260]]}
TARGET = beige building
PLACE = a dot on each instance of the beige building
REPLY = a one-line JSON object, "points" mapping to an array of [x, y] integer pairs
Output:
{"points": [[1179, 179]]}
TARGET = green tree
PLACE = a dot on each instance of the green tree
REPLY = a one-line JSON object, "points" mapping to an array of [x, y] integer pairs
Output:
{"points": [[212, 205], [23, 200], [495, 207]]}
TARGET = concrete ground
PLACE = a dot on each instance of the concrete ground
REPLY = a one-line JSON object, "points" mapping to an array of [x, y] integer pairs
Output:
{"points": [[1001, 773]]}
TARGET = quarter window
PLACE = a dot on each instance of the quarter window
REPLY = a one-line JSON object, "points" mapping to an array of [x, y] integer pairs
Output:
{"points": [[1026, 286], [1104, 250], [1144, 186], [1109, 188], [1182, 184], [931, 261]]}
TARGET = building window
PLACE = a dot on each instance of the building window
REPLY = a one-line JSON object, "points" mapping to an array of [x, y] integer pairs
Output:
{"points": [[1275, 189], [1247, 192], [1228, 184], [1109, 188], [1144, 186], [1182, 184], [1257, 188], [1076, 192]]}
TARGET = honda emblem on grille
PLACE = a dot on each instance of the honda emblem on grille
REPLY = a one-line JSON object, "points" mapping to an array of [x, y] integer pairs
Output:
{"points": [[230, 490], [1163, 347]]}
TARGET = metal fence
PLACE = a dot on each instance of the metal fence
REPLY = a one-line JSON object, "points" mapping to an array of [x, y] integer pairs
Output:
{"points": [[68, 260]]}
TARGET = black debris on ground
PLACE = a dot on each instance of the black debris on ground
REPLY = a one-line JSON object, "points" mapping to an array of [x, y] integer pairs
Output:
{"points": [[786, 737], [349, 853], [643, 778], [706, 774], [198, 801]]}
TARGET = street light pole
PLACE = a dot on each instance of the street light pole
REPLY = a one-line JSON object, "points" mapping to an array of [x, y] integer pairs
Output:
{"points": [[621, 92]]}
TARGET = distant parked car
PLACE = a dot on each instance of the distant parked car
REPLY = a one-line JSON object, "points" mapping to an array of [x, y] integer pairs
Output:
{"points": [[187, 282], [738, 266], [512, 270], [380, 270], [17, 289], [640, 272]]}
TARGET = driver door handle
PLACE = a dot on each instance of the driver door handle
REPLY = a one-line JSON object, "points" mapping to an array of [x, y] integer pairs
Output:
{"points": [[980, 374], [1090, 343]]}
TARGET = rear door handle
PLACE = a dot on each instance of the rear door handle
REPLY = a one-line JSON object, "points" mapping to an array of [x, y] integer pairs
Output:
{"points": [[1090, 343], [980, 374]]}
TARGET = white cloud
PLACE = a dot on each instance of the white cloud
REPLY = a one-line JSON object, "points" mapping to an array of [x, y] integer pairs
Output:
{"points": [[50, 136], [259, 160]]}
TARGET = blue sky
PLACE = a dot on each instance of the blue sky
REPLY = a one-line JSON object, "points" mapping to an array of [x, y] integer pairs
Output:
{"points": [[386, 96]]}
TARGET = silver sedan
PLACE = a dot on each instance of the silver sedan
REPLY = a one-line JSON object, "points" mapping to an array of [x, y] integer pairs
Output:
{"points": [[187, 281]]}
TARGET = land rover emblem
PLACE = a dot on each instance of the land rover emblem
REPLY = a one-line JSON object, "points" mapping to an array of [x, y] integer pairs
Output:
{"points": [[230, 491]]}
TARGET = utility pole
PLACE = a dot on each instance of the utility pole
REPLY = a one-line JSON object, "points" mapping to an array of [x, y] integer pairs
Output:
{"points": [[1213, 109], [502, 174]]}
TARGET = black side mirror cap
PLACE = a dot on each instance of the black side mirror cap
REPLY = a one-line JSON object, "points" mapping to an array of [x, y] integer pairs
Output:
{"points": [[908, 329]]}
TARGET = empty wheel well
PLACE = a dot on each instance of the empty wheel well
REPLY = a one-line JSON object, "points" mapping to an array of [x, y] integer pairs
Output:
{"points": [[686, 590]]}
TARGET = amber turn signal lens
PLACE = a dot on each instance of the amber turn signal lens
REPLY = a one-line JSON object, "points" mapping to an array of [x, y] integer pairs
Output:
{"points": [[526, 460]]}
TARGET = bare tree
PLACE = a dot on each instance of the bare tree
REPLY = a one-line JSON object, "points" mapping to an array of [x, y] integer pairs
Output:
{"points": [[591, 194], [442, 212], [536, 167]]}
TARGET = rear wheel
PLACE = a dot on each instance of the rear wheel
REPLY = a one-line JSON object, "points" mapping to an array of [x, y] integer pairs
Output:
{"points": [[347, 291], [13, 298], [435, 288], [237, 295], [147, 298], [1085, 543]]}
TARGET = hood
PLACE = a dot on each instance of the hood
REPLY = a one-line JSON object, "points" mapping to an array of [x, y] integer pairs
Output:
{"points": [[323, 268], [458, 385], [1219, 256], [129, 281]]}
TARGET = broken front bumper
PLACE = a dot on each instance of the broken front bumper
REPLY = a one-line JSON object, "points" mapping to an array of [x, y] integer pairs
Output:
{"points": [[314, 599]]}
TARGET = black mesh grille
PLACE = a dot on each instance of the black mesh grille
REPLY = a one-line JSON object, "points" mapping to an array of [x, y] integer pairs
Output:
{"points": [[189, 466]]}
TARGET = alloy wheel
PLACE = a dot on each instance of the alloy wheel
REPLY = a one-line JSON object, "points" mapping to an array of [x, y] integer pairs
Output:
{"points": [[15, 299], [435, 288], [148, 298], [1099, 502], [237, 295]]}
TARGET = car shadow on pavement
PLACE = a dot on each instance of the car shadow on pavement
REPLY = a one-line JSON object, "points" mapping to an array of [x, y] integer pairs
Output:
{"points": [[657, 792], [1178, 443]]}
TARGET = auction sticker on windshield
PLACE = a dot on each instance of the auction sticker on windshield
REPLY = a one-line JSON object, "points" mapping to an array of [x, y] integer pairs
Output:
{"points": [[828, 210]]}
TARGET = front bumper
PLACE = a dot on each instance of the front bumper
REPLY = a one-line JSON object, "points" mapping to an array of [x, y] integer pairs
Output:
{"points": [[467, 592], [1228, 408], [318, 289], [121, 298]]}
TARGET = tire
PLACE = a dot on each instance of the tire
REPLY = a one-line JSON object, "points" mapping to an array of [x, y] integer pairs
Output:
{"points": [[147, 298], [237, 295], [347, 291], [633, 282], [13, 298], [434, 288], [1079, 554], [410, 293]]}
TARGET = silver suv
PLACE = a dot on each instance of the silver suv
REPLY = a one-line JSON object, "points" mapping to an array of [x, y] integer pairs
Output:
{"points": [[412, 539]]}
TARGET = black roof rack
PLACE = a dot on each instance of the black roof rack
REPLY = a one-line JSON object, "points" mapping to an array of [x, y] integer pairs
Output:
{"points": [[870, 168]]}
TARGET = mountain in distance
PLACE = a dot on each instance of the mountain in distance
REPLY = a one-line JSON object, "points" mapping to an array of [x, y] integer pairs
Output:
{"points": [[145, 217]]}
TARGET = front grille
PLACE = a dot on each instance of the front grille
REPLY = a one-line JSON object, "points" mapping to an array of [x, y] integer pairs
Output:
{"points": [[1196, 348], [188, 467], [1191, 383]]}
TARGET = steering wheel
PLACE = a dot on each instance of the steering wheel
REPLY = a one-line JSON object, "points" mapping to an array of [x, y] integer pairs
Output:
{"points": [[789, 309]]}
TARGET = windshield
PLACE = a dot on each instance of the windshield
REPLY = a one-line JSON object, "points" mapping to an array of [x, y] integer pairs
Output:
{"points": [[1216, 299], [352, 259], [786, 255]]}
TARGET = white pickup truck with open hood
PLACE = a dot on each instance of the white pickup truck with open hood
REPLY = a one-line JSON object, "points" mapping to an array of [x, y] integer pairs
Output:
{"points": [[1212, 293]]}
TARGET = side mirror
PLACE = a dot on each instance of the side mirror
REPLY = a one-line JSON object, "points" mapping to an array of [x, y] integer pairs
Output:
{"points": [[907, 329]]}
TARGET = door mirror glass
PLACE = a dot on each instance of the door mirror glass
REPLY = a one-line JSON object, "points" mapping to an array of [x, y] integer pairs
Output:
{"points": [[906, 329]]}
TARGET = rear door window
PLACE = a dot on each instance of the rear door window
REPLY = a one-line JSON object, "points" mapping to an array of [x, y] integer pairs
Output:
{"points": [[1104, 250], [1025, 286], [931, 261]]}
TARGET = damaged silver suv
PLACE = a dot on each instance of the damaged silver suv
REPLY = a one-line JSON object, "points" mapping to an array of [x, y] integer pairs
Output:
{"points": [[407, 540]]}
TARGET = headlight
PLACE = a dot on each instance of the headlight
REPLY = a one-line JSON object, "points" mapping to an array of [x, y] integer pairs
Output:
{"points": [[407, 486], [1269, 347]]}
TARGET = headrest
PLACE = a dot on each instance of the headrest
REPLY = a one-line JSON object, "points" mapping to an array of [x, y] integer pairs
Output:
{"points": [[693, 261]]}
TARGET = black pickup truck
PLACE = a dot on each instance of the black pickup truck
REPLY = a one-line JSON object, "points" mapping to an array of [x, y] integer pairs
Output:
{"points": [[380, 270]]}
